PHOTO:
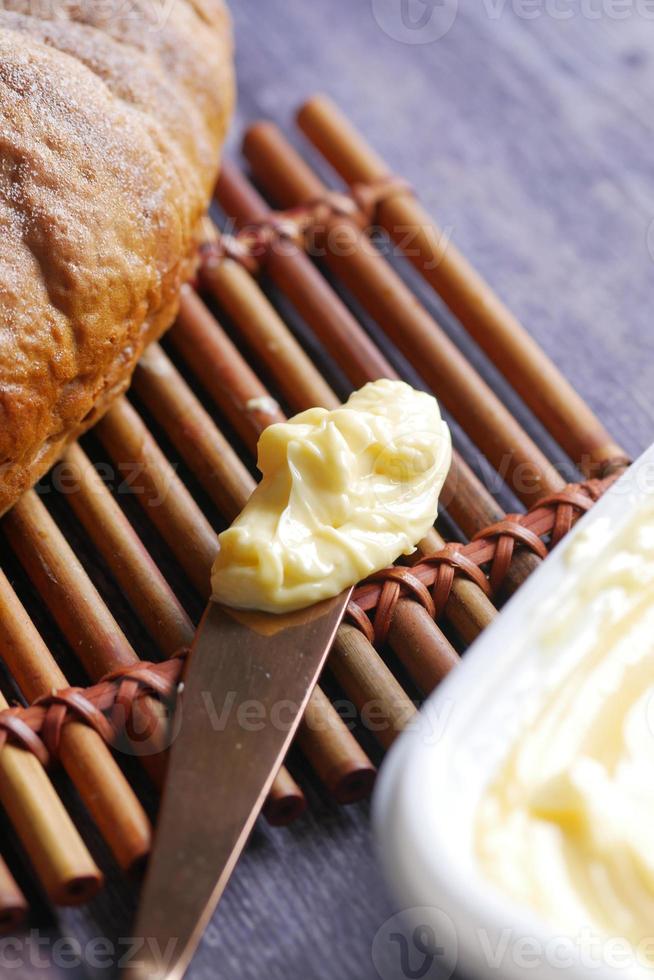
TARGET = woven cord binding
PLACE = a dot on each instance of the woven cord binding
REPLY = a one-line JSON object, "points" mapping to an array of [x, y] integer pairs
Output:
{"points": [[430, 581], [107, 707], [252, 244]]}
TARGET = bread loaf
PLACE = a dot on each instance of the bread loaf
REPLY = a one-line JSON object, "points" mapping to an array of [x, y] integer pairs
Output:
{"points": [[112, 114]]}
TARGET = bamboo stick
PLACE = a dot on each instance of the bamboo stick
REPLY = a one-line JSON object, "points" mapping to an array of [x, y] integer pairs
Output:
{"points": [[137, 574], [62, 863], [384, 707], [534, 376], [13, 905], [205, 450], [411, 635], [74, 602], [466, 498], [60, 579], [286, 802], [200, 337], [98, 779], [346, 783], [210, 354], [160, 492], [371, 279], [174, 512], [311, 295], [272, 341]]}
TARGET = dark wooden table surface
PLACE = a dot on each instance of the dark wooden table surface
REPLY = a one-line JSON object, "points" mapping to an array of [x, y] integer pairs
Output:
{"points": [[527, 130]]}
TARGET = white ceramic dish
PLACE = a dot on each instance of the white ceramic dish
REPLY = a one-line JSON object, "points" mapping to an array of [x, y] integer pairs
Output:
{"points": [[433, 779]]}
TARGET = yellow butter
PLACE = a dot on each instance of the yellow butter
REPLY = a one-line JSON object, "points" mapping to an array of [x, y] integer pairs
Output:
{"points": [[566, 825], [343, 494]]}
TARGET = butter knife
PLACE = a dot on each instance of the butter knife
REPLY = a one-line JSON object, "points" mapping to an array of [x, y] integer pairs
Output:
{"points": [[222, 766]]}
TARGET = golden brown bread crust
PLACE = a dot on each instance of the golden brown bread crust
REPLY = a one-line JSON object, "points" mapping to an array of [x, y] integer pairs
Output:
{"points": [[111, 122]]}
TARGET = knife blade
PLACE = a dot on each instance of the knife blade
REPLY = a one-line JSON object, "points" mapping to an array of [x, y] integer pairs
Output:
{"points": [[249, 679]]}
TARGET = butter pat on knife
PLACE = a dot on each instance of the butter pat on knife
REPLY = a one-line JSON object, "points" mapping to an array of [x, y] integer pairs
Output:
{"points": [[343, 494]]}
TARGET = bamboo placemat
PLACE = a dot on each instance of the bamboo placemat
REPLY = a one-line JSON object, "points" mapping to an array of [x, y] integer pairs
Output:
{"points": [[180, 451]]}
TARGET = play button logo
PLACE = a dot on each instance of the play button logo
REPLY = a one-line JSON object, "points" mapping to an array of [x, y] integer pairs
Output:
{"points": [[415, 21]]}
